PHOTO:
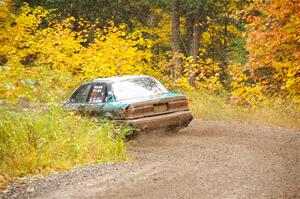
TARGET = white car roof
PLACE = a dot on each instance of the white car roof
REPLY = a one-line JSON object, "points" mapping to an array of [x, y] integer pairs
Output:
{"points": [[119, 78]]}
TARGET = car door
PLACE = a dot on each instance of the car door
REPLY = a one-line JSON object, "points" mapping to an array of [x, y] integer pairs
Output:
{"points": [[79, 98], [95, 105]]}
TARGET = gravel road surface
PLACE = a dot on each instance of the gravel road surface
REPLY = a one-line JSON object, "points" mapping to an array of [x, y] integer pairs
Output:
{"points": [[206, 160]]}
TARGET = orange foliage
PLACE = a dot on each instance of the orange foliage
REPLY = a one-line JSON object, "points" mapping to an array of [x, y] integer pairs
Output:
{"points": [[273, 42]]}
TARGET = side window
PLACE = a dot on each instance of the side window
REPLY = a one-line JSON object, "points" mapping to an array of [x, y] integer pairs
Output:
{"points": [[80, 96], [98, 93]]}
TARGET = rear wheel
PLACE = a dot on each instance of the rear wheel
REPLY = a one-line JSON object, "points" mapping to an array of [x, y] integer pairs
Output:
{"points": [[174, 129]]}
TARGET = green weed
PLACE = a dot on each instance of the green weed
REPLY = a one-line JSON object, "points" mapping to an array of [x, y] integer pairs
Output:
{"points": [[37, 141], [273, 112]]}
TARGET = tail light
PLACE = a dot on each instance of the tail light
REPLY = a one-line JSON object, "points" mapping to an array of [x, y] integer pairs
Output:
{"points": [[178, 104]]}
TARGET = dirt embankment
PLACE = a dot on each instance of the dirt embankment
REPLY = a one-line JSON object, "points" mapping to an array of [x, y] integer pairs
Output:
{"points": [[206, 160]]}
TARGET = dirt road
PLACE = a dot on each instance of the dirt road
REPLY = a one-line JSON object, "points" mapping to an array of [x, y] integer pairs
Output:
{"points": [[206, 160]]}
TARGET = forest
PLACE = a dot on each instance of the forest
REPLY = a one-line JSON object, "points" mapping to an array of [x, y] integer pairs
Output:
{"points": [[236, 60]]}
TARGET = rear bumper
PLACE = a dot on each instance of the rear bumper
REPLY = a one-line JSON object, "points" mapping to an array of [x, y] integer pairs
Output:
{"points": [[176, 119]]}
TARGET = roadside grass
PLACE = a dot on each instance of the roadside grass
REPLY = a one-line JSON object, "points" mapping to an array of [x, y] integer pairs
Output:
{"points": [[273, 112], [39, 141]]}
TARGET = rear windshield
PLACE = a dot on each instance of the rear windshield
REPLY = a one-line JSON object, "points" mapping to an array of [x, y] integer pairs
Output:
{"points": [[137, 88]]}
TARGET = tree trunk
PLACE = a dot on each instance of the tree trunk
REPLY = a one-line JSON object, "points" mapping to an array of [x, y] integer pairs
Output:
{"points": [[176, 36], [226, 18], [152, 20], [194, 50], [189, 33]]}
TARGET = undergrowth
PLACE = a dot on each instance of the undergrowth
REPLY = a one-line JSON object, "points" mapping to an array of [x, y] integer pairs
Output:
{"points": [[272, 112], [38, 141]]}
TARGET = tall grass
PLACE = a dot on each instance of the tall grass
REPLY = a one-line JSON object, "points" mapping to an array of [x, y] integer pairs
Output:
{"points": [[274, 112], [34, 141]]}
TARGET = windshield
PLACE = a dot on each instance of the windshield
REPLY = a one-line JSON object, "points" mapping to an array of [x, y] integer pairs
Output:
{"points": [[137, 88]]}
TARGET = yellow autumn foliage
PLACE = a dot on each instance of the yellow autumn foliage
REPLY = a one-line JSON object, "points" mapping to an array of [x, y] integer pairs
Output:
{"points": [[115, 52], [244, 91], [5, 8], [208, 74], [41, 57], [40, 62]]}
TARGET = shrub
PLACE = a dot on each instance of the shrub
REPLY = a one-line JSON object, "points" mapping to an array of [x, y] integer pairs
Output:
{"points": [[33, 141], [39, 53]]}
